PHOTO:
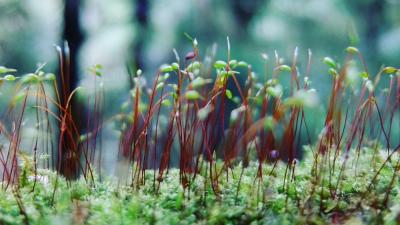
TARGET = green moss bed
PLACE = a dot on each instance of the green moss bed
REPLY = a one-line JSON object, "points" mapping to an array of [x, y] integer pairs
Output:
{"points": [[311, 195]]}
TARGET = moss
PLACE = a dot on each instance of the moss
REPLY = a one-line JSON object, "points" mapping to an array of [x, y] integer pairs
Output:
{"points": [[272, 200]]}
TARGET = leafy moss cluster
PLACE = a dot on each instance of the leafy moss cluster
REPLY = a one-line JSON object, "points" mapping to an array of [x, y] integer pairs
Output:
{"points": [[303, 197]]}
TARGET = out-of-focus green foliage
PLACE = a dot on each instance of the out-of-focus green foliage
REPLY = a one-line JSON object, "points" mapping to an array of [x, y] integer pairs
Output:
{"points": [[28, 32], [29, 29]]}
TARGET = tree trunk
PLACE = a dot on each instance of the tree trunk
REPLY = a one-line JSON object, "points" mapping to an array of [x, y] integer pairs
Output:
{"points": [[244, 11], [141, 17], [68, 163], [373, 14]]}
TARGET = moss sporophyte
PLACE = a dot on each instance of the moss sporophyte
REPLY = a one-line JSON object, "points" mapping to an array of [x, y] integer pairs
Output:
{"points": [[205, 141]]}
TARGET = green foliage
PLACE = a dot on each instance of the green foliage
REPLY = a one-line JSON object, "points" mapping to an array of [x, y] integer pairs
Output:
{"points": [[352, 50], [166, 68], [330, 62], [192, 95], [96, 70], [4, 70], [220, 65]]}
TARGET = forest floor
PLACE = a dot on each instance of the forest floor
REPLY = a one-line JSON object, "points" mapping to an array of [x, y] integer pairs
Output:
{"points": [[310, 195]]}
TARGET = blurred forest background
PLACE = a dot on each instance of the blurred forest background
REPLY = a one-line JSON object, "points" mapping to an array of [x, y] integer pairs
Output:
{"points": [[142, 33]]}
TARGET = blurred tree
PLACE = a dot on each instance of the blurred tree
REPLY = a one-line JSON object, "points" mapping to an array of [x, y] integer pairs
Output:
{"points": [[372, 15], [72, 34], [244, 11], [141, 17]]}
